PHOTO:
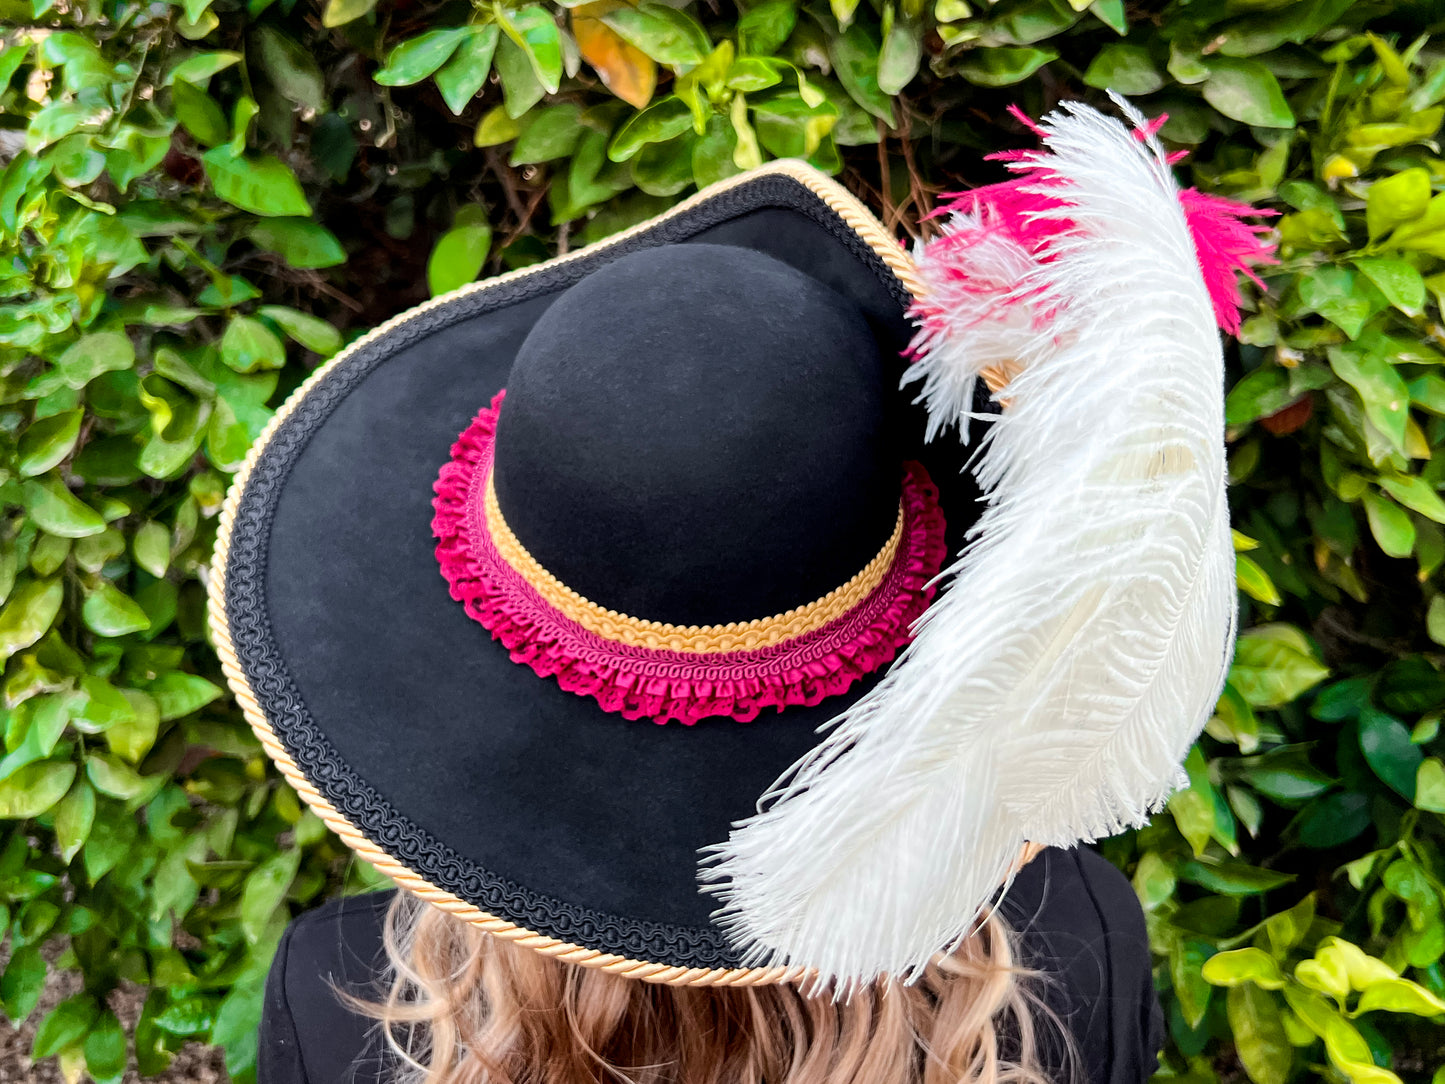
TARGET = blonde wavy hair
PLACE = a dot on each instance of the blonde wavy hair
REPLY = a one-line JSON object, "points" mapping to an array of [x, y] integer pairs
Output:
{"points": [[477, 1009]]}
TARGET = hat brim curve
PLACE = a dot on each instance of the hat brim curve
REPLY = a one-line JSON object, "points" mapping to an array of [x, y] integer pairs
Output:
{"points": [[491, 793]]}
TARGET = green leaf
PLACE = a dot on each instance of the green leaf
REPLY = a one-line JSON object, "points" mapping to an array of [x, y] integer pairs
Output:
{"points": [[104, 705], [1153, 880], [1390, 525], [660, 121], [198, 68], [64, 1025], [199, 114], [1259, 1036], [464, 75], [1379, 386], [1402, 285], [1340, 966], [113, 776], [57, 120], [73, 817], [242, 114], [33, 789], [1194, 994], [310, 331], [1435, 621], [1430, 785], [1128, 69], [1232, 879], [902, 50], [109, 612], [765, 26], [1273, 664], [458, 255], [496, 126], [1397, 199], [712, 154], [1258, 394], [1254, 581], [151, 546], [854, 55], [249, 345], [533, 30], [28, 614], [1004, 66], [177, 426], [266, 889], [177, 694], [23, 982], [55, 509], [413, 60], [341, 12], [100, 352], [664, 169], [1238, 718], [1332, 820], [547, 133], [1111, 14], [76, 161], [1415, 493], [1337, 294], [185, 1016], [1399, 995], [746, 153], [1286, 929], [291, 69], [1244, 965], [84, 66], [105, 1049], [1385, 741], [261, 184], [1247, 91], [39, 730], [1193, 807], [666, 34], [521, 89], [301, 242], [751, 73], [47, 442]]}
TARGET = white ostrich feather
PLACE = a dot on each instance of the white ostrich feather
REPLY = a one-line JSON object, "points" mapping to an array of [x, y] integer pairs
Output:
{"points": [[974, 321], [1053, 691]]}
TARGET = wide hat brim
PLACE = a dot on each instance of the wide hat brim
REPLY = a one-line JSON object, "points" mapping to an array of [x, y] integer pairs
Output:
{"points": [[486, 790]]}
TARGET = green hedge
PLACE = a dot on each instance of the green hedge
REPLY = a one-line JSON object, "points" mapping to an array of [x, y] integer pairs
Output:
{"points": [[201, 200]]}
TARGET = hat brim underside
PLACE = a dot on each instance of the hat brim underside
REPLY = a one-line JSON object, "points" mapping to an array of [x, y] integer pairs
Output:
{"points": [[461, 774]]}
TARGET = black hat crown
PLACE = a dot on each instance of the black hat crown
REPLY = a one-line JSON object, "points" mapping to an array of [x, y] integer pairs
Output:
{"points": [[697, 434]]}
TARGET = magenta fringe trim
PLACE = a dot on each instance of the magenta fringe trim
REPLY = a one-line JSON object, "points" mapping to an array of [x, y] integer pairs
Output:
{"points": [[638, 682]]}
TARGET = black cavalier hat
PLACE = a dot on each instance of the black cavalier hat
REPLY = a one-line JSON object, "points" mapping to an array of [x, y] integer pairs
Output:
{"points": [[534, 590]]}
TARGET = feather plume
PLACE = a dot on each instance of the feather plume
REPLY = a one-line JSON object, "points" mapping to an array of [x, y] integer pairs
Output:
{"points": [[1053, 691]]}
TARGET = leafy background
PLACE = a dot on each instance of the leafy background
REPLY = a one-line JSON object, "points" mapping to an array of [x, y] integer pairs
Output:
{"points": [[200, 201]]}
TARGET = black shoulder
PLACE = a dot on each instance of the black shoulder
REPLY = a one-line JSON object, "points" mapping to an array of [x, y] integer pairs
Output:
{"points": [[1081, 927], [318, 1039]]}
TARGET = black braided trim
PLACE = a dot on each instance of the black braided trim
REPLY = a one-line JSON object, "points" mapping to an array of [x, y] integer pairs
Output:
{"points": [[256, 650]]}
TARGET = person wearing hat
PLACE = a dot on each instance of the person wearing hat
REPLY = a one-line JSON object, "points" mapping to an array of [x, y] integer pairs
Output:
{"points": [[726, 634]]}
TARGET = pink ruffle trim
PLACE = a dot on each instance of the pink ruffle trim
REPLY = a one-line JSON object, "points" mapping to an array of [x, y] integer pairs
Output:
{"points": [[638, 682]]}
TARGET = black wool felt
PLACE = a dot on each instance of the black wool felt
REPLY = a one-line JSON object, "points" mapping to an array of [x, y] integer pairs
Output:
{"points": [[486, 780], [696, 434]]}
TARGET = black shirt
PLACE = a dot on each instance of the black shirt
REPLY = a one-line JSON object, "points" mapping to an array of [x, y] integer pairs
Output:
{"points": [[1078, 919]]}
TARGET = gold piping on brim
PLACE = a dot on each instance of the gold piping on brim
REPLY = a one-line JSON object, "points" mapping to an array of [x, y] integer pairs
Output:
{"points": [[862, 221], [693, 639]]}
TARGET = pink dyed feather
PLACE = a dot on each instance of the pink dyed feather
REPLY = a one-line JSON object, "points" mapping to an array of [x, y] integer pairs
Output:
{"points": [[1224, 243]]}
